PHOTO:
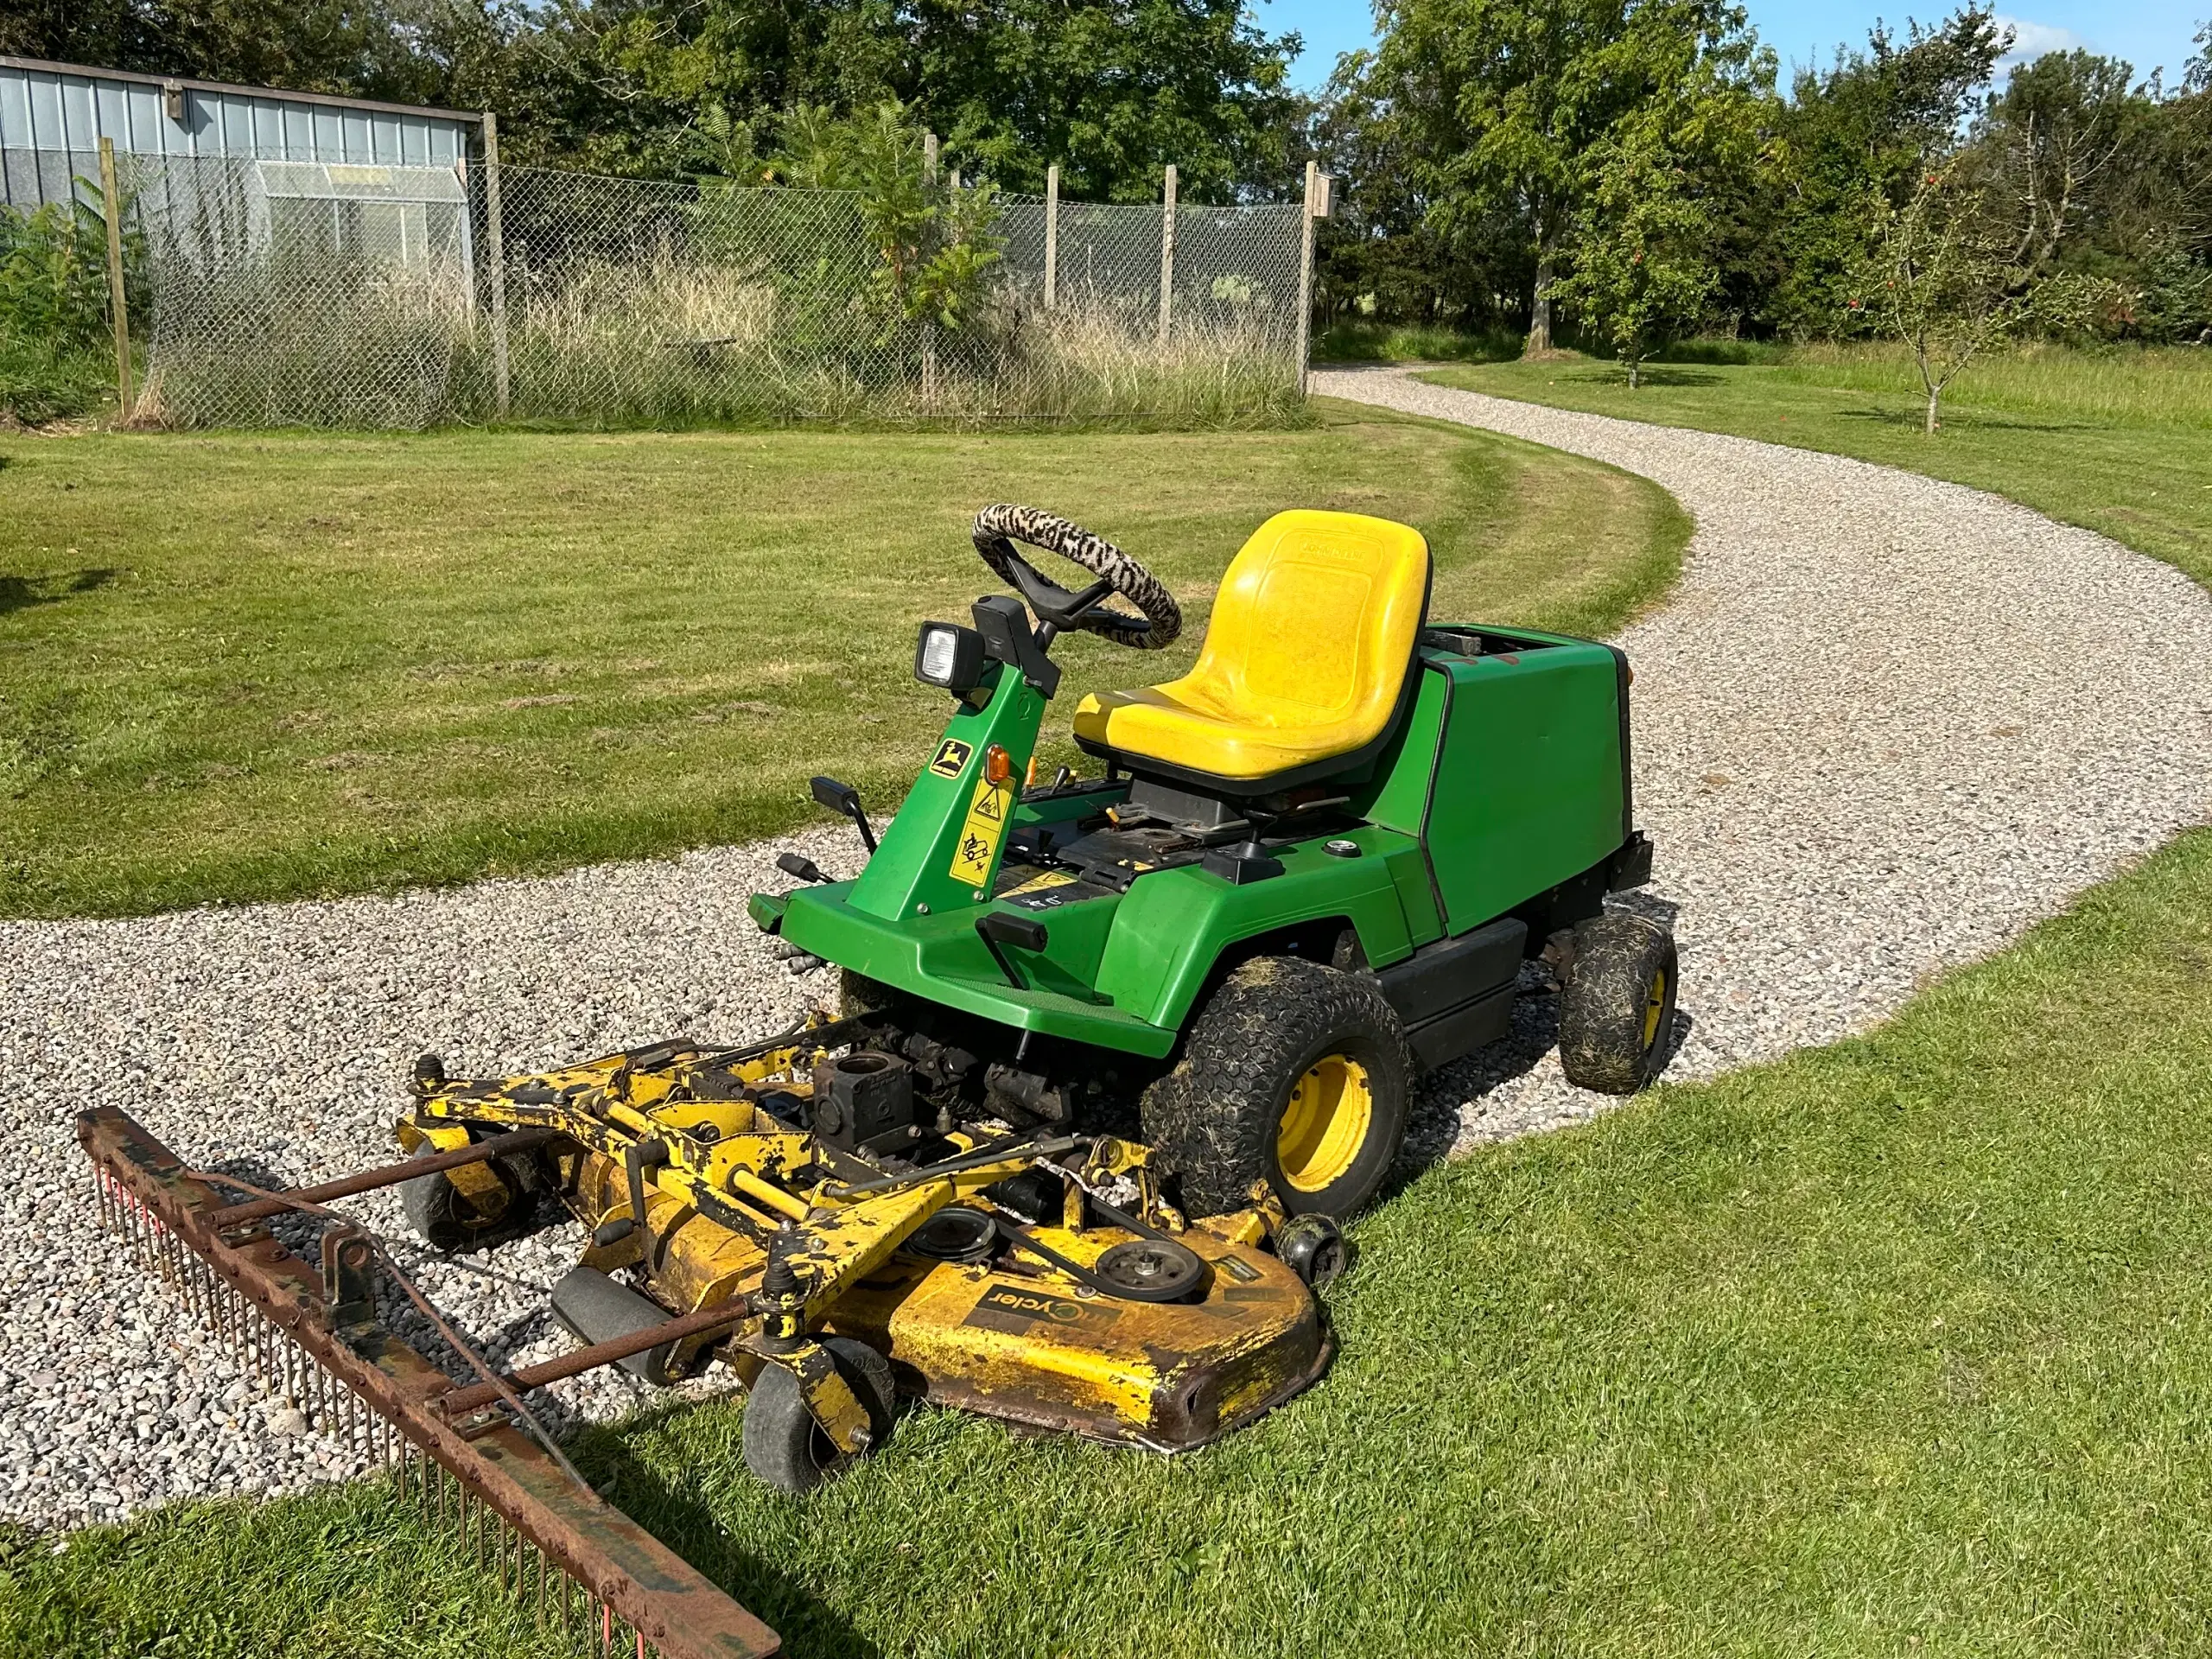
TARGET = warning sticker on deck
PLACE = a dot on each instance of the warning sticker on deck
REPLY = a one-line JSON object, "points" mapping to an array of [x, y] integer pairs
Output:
{"points": [[979, 836]]}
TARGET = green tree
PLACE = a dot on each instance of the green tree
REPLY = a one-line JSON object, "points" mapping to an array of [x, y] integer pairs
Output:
{"points": [[455, 53], [1860, 133], [1949, 274], [1642, 251], [2119, 178], [1378, 251], [1501, 101], [1111, 89], [934, 243]]}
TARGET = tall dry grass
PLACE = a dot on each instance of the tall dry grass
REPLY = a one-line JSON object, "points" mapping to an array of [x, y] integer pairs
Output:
{"points": [[667, 339], [2152, 384]]}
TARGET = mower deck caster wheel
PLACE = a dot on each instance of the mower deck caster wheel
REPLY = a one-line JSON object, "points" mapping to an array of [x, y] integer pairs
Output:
{"points": [[449, 1219], [1617, 1005], [1313, 1248], [784, 1446]]}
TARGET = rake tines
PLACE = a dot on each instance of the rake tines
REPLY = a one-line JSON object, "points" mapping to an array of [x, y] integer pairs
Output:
{"points": [[587, 1570]]}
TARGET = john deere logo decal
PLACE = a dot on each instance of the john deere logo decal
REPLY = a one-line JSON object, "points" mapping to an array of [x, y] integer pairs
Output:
{"points": [[951, 756]]}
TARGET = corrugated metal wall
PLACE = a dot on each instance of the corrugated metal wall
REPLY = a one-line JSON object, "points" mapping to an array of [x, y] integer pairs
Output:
{"points": [[53, 116]]}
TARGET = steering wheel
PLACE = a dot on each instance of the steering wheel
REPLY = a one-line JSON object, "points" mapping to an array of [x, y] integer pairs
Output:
{"points": [[1160, 619]]}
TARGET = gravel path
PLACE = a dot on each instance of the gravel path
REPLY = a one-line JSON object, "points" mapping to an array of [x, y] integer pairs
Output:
{"points": [[1884, 725]]}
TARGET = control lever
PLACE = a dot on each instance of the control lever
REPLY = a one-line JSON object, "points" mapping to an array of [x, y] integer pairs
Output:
{"points": [[997, 928], [845, 800], [804, 868]]}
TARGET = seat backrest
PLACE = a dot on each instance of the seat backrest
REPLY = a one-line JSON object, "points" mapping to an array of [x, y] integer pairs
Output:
{"points": [[1315, 622]]}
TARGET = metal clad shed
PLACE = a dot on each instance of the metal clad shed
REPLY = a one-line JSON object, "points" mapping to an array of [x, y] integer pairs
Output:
{"points": [[53, 115]]}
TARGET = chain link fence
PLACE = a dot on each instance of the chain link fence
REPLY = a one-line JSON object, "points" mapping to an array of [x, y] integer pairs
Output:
{"points": [[299, 294]]}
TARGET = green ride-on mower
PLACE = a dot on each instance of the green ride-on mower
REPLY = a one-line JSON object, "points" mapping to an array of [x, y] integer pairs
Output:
{"points": [[1311, 870], [1115, 1057]]}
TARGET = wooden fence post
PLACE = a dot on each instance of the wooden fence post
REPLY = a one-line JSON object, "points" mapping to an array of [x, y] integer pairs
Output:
{"points": [[929, 324], [495, 250], [1168, 253], [118, 306], [1052, 235], [1305, 270]]}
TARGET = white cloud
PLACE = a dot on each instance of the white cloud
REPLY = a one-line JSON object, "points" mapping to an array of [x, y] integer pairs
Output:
{"points": [[2031, 40]]}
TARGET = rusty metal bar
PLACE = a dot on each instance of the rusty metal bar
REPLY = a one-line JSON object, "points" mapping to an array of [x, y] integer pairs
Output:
{"points": [[477, 1395], [370, 1180], [620, 1565]]}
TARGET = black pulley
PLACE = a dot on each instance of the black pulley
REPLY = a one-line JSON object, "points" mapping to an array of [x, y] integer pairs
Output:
{"points": [[1154, 1269], [956, 1233]]}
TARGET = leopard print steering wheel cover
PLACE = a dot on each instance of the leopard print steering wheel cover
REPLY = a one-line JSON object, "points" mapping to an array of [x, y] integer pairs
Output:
{"points": [[998, 527]]}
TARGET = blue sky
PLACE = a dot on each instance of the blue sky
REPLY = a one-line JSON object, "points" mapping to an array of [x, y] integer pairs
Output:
{"points": [[2145, 32]]}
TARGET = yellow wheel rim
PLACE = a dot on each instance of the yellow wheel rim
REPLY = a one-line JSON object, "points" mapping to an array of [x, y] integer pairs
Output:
{"points": [[1325, 1123], [1655, 1008]]}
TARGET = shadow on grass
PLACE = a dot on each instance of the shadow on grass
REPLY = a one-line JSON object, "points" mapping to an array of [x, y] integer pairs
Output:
{"points": [[1913, 419], [1655, 375], [681, 1518], [22, 593], [1577, 372]]}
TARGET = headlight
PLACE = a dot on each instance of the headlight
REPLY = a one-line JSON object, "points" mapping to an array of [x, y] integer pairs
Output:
{"points": [[948, 655]]}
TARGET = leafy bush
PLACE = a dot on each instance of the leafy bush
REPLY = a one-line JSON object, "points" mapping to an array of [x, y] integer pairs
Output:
{"points": [[934, 244], [53, 275], [53, 325], [1355, 339]]}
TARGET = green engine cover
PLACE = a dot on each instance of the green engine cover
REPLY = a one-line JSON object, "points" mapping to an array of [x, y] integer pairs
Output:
{"points": [[1512, 773]]}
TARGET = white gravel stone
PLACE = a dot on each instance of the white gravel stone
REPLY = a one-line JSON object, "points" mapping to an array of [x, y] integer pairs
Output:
{"points": [[275, 1041], [1884, 725]]}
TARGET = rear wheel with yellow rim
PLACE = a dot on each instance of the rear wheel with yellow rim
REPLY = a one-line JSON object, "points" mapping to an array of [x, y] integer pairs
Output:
{"points": [[1616, 1003], [1293, 1074]]}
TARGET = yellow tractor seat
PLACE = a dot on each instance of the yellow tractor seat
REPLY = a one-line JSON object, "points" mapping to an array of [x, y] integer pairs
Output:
{"points": [[1305, 669]]}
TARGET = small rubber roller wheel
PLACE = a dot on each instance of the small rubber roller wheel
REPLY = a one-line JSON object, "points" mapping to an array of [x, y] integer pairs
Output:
{"points": [[784, 1446], [1292, 1073], [1616, 1004], [447, 1219]]}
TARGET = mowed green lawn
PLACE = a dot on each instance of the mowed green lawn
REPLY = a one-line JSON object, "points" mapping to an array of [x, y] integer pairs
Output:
{"points": [[2118, 441], [261, 666]]}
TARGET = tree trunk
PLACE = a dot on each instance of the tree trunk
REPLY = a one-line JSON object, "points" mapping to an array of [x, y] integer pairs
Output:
{"points": [[1935, 393], [1539, 306], [1634, 365]]}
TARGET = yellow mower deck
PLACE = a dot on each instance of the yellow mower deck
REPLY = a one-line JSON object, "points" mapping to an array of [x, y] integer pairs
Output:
{"points": [[720, 1213], [1022, 1340], [1048, 1354]]}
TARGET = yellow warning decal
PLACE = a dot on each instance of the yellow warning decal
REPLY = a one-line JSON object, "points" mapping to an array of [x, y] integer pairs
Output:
{"points": [[979, 836], [951, 755], [1014, 879]]}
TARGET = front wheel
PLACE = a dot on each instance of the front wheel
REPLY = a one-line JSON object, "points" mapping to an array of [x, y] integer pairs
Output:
{"points": [[1616, 1004], [1293, 1074], [784, 1445]]}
